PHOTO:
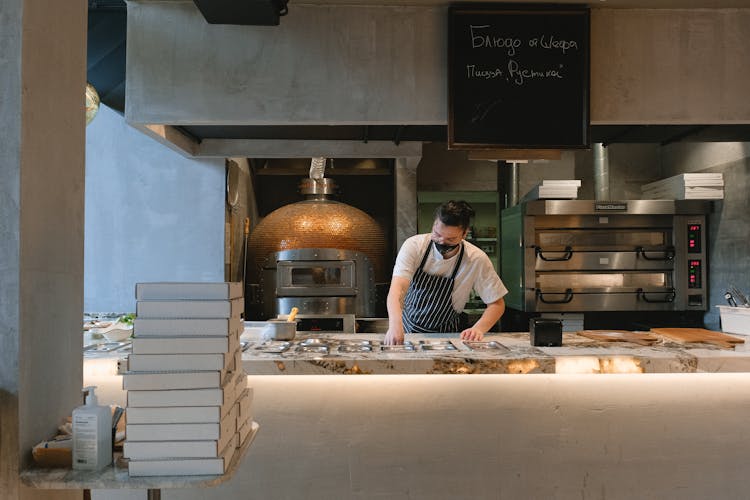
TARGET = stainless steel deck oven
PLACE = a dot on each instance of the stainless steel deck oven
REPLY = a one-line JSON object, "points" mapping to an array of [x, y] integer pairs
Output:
{"points": [[583, 255]]}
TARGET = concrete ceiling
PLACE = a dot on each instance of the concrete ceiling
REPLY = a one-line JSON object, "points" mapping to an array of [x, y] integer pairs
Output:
{"points": [[106, 71]]}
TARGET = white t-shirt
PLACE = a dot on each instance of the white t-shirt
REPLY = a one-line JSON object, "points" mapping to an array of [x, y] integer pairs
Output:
{"points": [[476, 271]]}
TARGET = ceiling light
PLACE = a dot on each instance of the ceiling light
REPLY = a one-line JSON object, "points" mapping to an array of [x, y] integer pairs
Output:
{"points": [[92, 102]]}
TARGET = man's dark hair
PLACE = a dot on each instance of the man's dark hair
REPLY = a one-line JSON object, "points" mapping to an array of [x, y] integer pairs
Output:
{"points": [[455, 213]]}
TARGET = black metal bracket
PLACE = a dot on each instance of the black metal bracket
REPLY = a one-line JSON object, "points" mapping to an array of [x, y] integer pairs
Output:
{"points": [[397, 135]]}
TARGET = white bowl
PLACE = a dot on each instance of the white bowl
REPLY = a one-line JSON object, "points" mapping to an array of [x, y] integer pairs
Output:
{"points": [[117, 334]]}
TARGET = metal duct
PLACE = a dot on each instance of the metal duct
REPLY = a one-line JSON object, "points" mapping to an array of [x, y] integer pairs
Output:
{"points": [[507, 181], [601, 172], [513, 185], [317, 167]]}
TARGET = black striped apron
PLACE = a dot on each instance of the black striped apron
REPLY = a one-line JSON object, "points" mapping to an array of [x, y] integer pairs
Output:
{"points": [[428, 305]]}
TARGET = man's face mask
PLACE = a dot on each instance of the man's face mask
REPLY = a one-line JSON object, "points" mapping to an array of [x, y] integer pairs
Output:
{"points": [[444, 249]]}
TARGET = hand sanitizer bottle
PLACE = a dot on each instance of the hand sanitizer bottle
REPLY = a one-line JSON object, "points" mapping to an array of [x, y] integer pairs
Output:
{"points": [[92, 434]]}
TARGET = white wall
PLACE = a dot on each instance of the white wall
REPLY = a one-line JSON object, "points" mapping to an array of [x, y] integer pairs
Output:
{"points": [[151, 215]]}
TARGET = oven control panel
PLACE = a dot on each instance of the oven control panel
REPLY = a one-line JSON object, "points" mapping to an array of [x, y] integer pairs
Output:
{"points": [[694, 246], [690, 273]]}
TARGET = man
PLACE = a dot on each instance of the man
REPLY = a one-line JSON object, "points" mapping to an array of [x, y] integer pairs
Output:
{"points": [[434, 275]]}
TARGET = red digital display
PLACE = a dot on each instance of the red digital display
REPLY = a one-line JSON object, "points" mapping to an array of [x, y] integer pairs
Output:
{"points": [[694, 238], [694, 273]]}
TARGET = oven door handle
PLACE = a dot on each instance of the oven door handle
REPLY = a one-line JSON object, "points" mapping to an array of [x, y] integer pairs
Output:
{"points": [[568, 296], [568, 254], [669, 298], [669, 254]]}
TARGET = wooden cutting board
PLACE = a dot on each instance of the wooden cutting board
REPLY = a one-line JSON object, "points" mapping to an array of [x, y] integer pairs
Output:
{"points": [[642, 338], [699, 335]]}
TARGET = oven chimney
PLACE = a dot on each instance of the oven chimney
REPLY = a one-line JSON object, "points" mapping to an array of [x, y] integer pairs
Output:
{"points": [[601, 172], [317, 186]]}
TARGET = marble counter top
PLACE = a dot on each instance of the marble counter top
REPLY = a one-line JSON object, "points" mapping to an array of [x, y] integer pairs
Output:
{"points": [[116, 476], [577, 355]]}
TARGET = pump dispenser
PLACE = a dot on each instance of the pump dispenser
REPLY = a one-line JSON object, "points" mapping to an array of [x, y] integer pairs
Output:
{"points": [[92, 434]]}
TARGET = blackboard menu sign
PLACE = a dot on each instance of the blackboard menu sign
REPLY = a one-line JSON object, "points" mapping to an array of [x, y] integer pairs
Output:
{"points": [[518, 77]]}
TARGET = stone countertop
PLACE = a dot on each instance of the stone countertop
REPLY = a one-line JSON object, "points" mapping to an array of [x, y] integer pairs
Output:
{"points": [[577, 355]]}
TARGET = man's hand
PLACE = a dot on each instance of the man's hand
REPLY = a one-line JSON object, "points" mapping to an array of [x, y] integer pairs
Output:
{"points": [[472, 334], [394, 336], [489, 317], [395, 303]]}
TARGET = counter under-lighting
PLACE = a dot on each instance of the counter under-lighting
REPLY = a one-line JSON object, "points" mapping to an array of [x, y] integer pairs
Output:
{"points": [[549, 429]]}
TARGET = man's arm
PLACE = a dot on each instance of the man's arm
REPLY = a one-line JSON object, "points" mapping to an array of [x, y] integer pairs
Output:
{"points": [[395, 303], [490, 316]]}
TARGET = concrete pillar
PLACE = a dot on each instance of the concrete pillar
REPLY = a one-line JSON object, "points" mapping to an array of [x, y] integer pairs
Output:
{"points": [[42, 77], [406, 198]]}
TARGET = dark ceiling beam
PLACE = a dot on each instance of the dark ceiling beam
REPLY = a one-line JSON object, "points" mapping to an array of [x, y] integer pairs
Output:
{"points": [[106, 32], [682, 135], [188, 134], [621, 135], [106, 5], [108, 78], [115, 97], [108, 71], [607, 134], [363, 133], [105, 51], [242, 12], [229, 148]]}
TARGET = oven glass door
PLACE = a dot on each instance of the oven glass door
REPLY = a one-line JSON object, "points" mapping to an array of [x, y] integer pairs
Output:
{"points": [[316, 278]]}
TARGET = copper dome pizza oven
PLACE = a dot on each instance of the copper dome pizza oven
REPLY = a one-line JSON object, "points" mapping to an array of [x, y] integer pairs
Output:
{"points": [[319, 255]]}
